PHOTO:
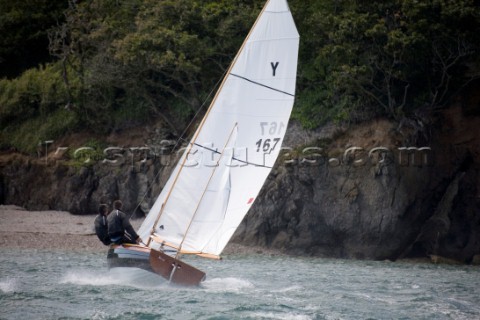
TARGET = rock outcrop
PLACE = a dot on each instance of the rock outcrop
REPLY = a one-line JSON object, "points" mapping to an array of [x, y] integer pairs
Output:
{"points": [[374, 191]]}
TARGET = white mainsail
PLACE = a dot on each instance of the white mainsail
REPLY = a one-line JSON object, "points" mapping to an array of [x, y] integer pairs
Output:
{"points": [[230, 156]]}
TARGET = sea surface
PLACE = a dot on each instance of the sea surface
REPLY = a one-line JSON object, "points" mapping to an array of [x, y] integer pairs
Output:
{"points": [[38, 284]]}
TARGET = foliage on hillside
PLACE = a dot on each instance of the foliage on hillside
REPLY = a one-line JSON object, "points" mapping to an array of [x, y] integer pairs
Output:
{"points": [[362, 59], [23, 30], [119, 63]]}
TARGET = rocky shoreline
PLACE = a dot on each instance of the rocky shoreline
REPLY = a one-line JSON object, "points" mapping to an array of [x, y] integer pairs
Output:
{"points": [[372, 191], [63, 231]]}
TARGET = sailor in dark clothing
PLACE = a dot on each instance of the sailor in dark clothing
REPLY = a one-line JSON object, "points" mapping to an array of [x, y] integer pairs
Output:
{"points": [[101, 228], [119, 228]]}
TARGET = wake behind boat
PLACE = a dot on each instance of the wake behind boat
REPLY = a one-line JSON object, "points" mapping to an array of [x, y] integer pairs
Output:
{"points": [[229, 157]]}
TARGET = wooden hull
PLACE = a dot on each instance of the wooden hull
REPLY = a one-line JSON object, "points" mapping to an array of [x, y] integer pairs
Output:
{"points": [[175, 270]]}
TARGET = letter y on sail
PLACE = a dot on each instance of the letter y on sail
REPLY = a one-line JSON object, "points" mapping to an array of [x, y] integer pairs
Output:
{"points": [[235, 145]]}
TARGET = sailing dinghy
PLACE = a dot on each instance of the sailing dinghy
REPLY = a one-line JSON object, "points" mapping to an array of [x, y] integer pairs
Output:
{"points": [[229, 157]]}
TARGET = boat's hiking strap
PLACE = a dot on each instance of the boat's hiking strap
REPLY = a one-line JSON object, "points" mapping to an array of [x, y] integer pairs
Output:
{"points": [[133, 245]]}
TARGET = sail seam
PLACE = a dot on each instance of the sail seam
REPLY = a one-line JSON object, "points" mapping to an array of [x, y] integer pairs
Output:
{"points": [[272, 39], [262, 85], [233, 158]]}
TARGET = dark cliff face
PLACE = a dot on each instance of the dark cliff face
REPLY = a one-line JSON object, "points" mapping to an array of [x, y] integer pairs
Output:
{"points": [[35, 185], [371, 192], [378, 194]]}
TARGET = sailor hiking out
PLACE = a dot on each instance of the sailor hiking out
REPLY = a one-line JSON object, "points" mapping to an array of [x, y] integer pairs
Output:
{"points": [[101, 227], [119, 228]]}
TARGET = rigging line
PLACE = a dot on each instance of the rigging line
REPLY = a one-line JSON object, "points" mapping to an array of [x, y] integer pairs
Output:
{"points": [[222, 79], [202, 123], [233, 158], [144, 196], [199, 109], [181, 139], [262, 85]]}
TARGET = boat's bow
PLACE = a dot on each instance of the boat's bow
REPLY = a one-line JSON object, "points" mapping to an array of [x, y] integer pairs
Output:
{"points": [[174, 270]]}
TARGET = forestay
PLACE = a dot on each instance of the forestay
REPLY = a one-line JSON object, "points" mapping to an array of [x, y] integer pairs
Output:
{"points": [[223, 169]]}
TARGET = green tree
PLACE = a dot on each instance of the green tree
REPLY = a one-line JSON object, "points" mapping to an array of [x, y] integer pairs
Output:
{"points": [[393, 58], [83, 46], [181, 48], [162, 57], [32, 109], [123, 61], [23, 29]]}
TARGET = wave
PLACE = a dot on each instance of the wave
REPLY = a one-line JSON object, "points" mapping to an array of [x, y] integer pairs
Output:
{"points": [[227, 285], [8, 285], [279, 316], [131, 277]]}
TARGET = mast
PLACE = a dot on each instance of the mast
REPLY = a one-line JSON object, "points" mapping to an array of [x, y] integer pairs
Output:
{"points": [[200, 127], [201, 205]]}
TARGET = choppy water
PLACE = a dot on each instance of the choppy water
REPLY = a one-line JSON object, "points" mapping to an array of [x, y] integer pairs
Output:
{"points": [[59, 285]]}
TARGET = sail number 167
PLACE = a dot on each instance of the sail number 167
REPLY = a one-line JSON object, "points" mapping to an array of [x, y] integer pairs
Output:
{"points": [[270, 129], [267, 145]]}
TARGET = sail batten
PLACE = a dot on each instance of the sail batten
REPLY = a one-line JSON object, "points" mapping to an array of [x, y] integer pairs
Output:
{"points": [[219, 176]]}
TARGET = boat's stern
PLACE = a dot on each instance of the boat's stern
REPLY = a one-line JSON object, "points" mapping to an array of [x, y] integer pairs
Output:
{"points": [[129, 256]]}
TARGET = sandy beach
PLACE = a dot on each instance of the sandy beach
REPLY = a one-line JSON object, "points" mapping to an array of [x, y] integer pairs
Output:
{"points": [[61, 230], [53, 230]]}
